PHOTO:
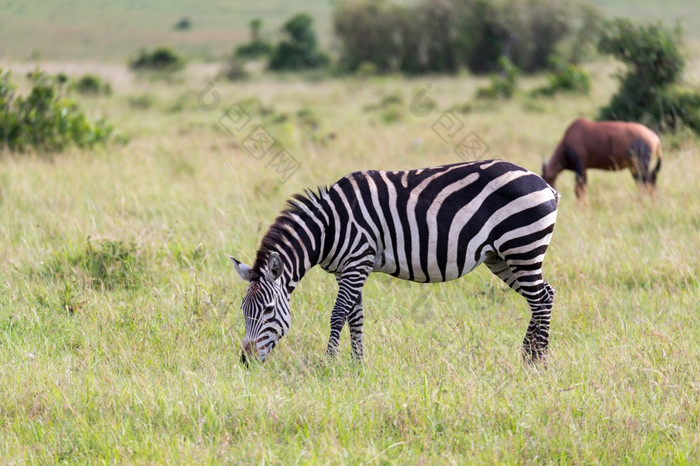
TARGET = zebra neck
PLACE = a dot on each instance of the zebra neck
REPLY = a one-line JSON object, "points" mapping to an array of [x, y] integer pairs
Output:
{"points": [[298, 235], [297, 262]]}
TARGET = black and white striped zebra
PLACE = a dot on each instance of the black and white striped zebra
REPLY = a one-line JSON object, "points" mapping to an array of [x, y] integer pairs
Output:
{"points": [[429, 225]]}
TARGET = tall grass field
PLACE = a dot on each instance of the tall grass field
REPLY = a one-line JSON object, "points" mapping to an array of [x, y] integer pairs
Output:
{"points": [[120, 321]]}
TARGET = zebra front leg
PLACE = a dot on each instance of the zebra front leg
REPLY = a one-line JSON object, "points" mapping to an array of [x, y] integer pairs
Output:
{"points": [[355, 321], [349, 296]]}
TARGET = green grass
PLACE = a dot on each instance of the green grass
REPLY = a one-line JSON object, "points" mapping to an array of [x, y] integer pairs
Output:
{"points": [[80, 30], [120, 326]]}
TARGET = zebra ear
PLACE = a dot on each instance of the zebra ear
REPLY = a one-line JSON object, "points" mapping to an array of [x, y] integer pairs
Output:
{"points": [[274, 267], [242, 269]]}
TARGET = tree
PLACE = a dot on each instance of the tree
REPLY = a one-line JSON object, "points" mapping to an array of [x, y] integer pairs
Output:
{"points": [[299, 49], [428, 36], [649, 90]]}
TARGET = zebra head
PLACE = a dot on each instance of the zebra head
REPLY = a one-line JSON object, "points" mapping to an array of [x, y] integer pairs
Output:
{"points": [[265, 307]]}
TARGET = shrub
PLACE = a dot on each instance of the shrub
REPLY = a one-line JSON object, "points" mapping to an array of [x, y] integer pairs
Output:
{"points": [[45, 119], [183, 25], [570, 79], [253, 50], [650, 52], [649, 91], [298, 50], [503, 84], [162, 59], [257, 47], [90, 84], [680, 107]]}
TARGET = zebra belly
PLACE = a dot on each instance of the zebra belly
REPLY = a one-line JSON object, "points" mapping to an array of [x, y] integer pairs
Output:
{"points": [[385, 262]]}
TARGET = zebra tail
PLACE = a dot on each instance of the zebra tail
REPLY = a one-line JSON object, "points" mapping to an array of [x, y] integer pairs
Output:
{"points": [[556, 194]]}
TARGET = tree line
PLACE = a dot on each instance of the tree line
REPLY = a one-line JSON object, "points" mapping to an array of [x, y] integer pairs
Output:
{"points": [[501, 37], [434, 36]]}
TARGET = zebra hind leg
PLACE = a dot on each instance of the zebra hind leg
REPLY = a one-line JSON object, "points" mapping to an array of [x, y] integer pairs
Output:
{"points": [[539, 295], [537, 335]]}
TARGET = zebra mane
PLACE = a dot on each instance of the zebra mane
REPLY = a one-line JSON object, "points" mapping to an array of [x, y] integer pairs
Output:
{"points": [[298, 205]]}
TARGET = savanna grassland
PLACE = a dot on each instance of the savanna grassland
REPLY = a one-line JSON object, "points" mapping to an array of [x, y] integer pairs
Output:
{"points": [[120, 325]]}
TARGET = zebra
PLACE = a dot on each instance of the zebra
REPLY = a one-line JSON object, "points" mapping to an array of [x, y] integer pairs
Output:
{"points": [[427, 225]]}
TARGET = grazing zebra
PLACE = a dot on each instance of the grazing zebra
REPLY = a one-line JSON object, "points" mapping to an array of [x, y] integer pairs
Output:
{"points": [[429, 225]]}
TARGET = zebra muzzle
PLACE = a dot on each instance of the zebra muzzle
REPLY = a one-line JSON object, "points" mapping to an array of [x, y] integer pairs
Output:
{"points": [[248, 352]]}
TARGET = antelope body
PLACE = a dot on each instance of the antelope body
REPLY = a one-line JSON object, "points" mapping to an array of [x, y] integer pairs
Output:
{"points": [[606, 145]]}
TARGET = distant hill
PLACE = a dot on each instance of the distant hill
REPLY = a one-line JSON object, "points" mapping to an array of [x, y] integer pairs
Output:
{"points": [[115, 29]]}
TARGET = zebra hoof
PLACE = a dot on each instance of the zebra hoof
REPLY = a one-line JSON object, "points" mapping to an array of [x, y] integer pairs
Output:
{"points": [[532, 355]]}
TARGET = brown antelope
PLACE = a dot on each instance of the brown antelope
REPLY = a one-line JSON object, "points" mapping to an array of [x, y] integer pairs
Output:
{"points": [[606, 145]]}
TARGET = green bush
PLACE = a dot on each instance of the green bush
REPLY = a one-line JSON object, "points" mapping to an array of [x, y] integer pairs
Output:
{"points": [[90, 84], [253, 50], [570, 78], [299, 49], [257, 47], [161, 59], [503, 84], [45, 119], [650, 52], [680, 107], [183, 25], [649, 90]]}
